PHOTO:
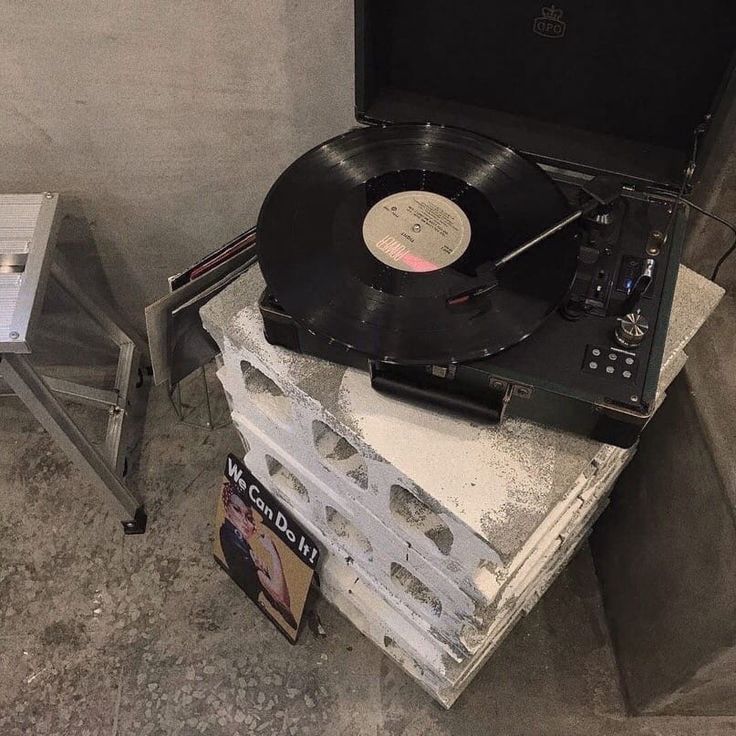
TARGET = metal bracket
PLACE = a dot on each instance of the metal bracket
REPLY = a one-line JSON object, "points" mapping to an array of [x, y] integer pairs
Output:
{"points": [[106, 467], [507, 390], [523, 391], [136, 525]]}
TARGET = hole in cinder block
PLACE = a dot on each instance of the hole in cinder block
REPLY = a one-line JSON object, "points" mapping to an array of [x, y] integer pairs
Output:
{"points": [[338, 453], [415, 588], [265, 394], [286, 480], [347, 531], [416, 515]]}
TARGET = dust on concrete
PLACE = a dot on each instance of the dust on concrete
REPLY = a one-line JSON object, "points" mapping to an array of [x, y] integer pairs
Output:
{"points": [[43, 467], [324, 387], [259, 382], [511, 516], [297, 485], [418, 514], [416, 588], [442, 537], [359, 475]]}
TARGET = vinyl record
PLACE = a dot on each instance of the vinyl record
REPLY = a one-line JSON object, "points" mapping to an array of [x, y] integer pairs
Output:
{"points": [[366, 239]]}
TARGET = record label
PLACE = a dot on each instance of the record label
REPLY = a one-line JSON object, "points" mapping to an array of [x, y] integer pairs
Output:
{"points": [[416, 231]]}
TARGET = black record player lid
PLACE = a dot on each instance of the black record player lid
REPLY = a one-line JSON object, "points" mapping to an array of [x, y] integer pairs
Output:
{"points": [[615, 85]]}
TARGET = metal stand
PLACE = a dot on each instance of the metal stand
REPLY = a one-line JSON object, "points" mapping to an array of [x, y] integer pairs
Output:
{"points": [[106, 468]]}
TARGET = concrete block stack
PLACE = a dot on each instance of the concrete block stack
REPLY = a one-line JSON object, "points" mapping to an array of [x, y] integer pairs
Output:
{"points": [[437, 533]]}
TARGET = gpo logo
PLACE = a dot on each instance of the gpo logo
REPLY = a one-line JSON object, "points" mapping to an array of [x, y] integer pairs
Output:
{"points": [[550, 23]]}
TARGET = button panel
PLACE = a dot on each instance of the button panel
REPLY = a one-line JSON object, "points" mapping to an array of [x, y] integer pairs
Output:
{"points": [[610, 362]]}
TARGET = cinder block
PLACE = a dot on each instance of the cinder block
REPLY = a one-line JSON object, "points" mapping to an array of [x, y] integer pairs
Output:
{"points": [[403, 637], [446, 609], [414, 523], [403, 633], [342, 462], [486, 514]]}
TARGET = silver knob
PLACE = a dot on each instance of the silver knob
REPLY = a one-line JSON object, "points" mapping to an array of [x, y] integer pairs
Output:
{"points": [[631, 330]]}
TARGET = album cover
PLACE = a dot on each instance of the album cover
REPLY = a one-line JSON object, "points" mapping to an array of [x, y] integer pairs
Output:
{"points": [[263, 549]]}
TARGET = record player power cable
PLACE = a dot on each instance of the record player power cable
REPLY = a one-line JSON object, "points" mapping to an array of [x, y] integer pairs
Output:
{"points": [[689, 172], [731, 226]]}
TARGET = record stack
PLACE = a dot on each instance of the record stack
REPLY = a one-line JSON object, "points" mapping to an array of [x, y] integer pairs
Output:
{"points": [[438, 533]]}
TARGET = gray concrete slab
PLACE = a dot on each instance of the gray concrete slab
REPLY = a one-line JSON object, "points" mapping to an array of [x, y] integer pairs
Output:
{"points": [[103, 634]]}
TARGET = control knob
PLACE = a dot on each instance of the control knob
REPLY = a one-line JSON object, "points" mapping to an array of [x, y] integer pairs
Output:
{"points": [[602, 215], [631, 329]]}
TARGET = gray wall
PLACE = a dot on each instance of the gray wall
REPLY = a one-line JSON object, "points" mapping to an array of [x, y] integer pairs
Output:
{"points": [[167, 121], [665, 554]]}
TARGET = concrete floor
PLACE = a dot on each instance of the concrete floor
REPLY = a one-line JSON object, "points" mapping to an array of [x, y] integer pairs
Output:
{"points": [[103, 634]]}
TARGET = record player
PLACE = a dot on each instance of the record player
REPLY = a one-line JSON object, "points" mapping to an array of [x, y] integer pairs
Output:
{"points": [[532, 277]]}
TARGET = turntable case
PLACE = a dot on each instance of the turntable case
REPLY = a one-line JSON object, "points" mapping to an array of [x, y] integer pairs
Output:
{"points": [[615, 86]]}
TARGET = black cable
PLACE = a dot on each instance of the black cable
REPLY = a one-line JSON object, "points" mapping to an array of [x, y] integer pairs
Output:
{"points": [[731, 226], [684, 187]]}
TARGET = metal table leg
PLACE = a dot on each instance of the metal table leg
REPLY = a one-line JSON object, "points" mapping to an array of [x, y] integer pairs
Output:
{"points": [[36, 395]]}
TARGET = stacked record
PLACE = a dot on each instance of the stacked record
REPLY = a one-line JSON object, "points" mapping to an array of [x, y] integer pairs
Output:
{"points": [[437, 534]]}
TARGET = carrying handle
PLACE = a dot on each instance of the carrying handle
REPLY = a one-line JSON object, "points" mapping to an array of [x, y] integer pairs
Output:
{"points": [[389, 380]]}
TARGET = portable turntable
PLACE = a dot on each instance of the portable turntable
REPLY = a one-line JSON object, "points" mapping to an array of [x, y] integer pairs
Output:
{"points": [[531, 277]]}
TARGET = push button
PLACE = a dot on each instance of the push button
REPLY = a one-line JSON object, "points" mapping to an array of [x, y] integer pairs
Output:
{"points": [[612, 363]]}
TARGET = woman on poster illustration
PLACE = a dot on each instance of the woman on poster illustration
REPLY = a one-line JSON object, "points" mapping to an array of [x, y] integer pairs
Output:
{"points": [[237, 532]]}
